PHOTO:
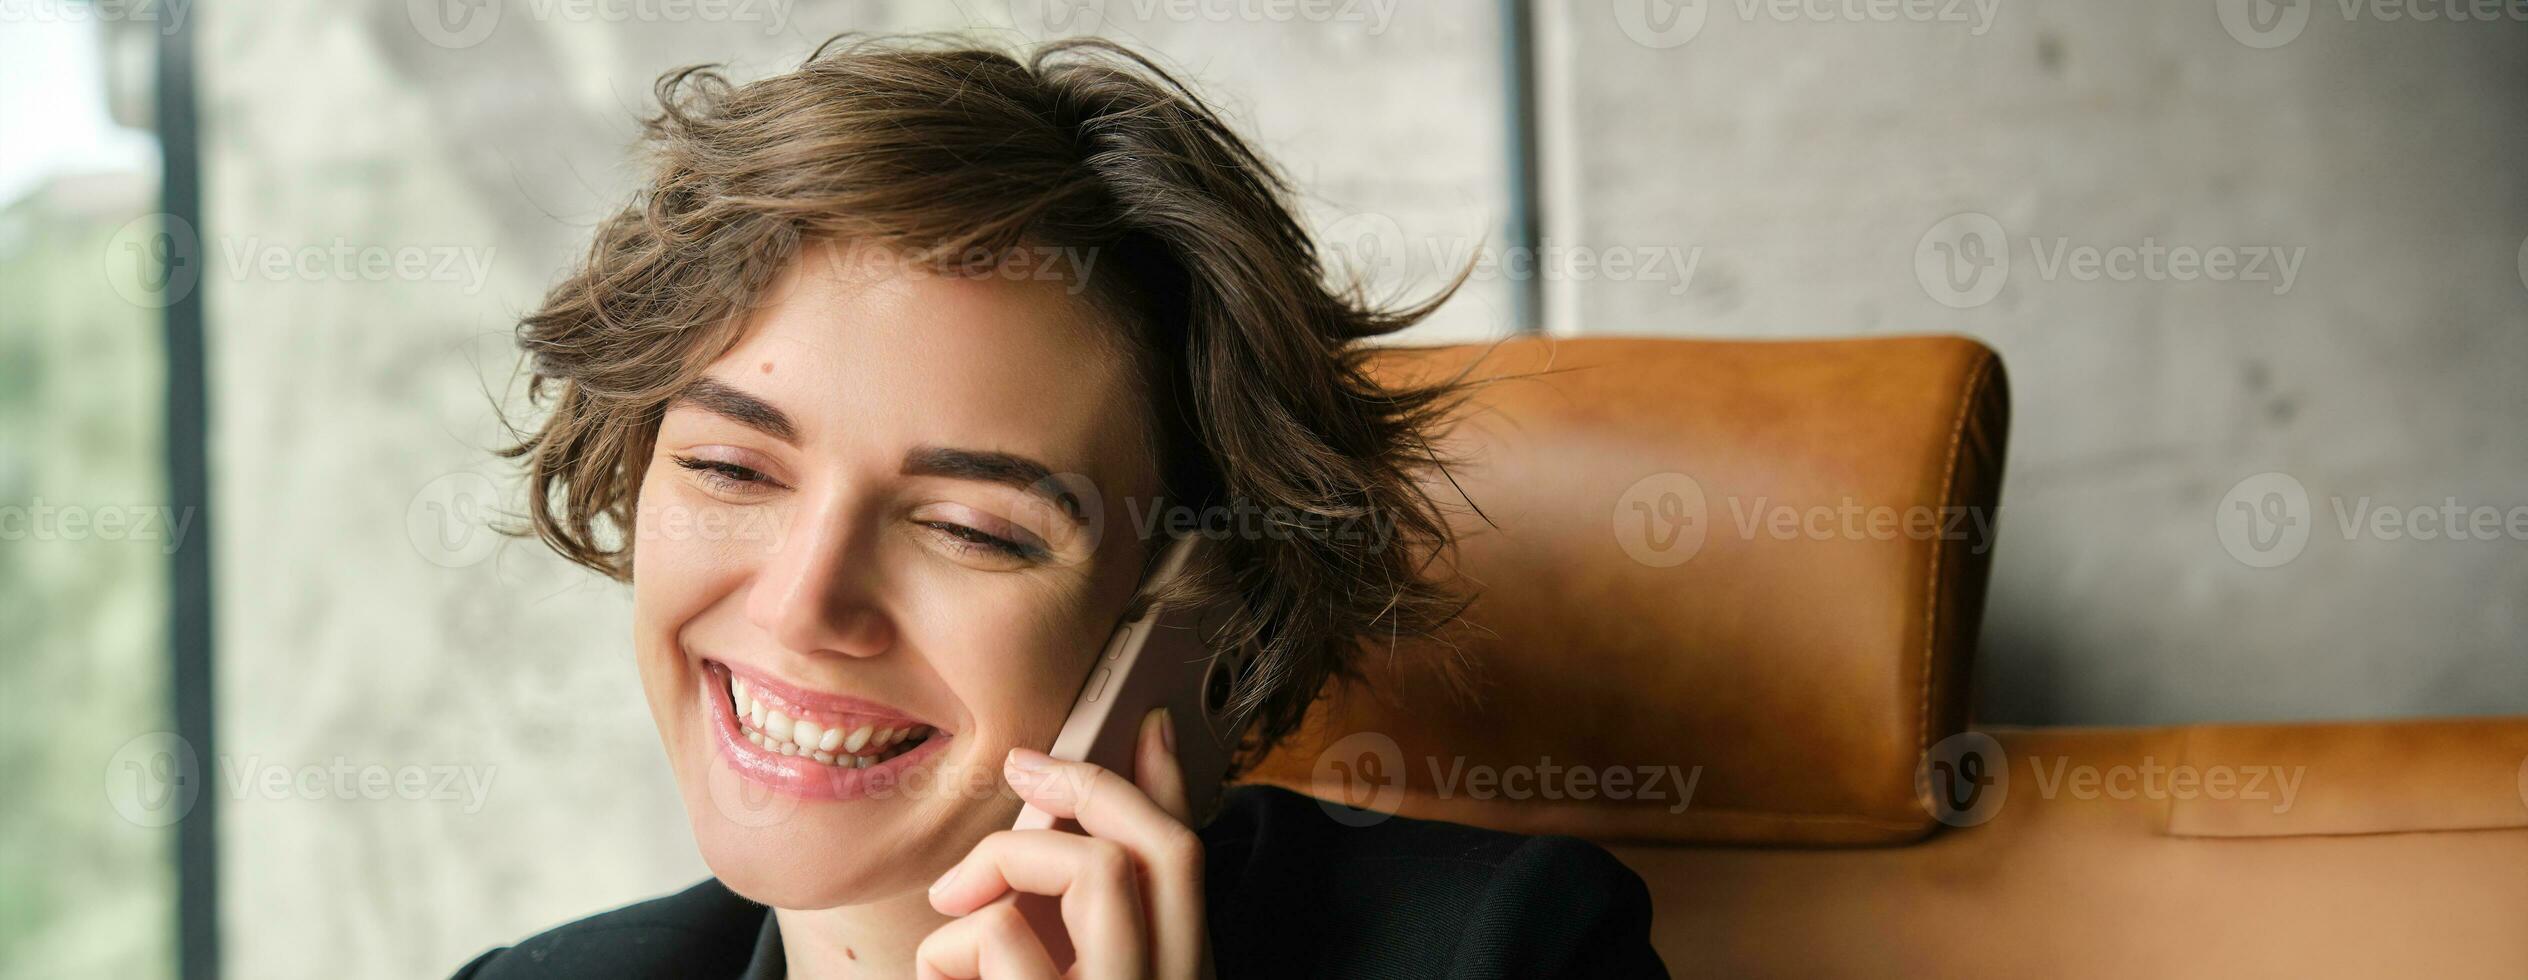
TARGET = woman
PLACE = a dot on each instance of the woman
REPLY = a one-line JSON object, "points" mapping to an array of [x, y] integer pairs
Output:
{"points": [[871, 396]]}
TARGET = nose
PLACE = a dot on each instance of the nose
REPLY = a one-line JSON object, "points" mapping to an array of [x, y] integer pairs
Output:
{"points": [[818, 594]]}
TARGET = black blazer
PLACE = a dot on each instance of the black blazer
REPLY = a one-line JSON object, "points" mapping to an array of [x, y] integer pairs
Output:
{"points": [[1292, 891]]}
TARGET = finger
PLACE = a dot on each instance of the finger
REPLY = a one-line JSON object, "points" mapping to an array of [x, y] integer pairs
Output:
{"points": [[1110, 808], [1156, 768], [994, 942], [1097, 880], [1105, 805], [1176, 918]]}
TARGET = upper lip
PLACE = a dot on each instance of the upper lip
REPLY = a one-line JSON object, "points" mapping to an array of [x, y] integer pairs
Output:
{"points": [[815, 700]]}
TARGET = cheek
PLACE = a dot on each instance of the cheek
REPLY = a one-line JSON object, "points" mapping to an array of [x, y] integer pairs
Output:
{"points": [[686, 557], [1013, 662], [689, 551]]}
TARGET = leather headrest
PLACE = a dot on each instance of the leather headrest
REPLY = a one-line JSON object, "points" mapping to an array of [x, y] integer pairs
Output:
{"points": [[1748, 571]]}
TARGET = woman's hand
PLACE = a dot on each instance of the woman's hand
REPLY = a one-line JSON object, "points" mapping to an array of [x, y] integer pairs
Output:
{"points": [[1131, 889]]}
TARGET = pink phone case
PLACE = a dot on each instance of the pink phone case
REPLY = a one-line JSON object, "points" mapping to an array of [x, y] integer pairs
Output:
{"points": [[1162, 659]]}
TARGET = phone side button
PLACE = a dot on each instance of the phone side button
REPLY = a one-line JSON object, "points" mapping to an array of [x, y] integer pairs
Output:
{"points": [[1097, 683]]}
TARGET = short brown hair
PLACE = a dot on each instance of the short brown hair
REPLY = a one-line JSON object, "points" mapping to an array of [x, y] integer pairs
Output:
{"points": [[939, 151]]}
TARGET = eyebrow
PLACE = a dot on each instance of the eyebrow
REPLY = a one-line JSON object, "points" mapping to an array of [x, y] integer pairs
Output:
{"points": [[719, 398], [993, 467]]}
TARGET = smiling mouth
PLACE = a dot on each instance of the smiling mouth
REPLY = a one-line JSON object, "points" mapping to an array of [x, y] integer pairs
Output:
{"points": [[839, 739]]}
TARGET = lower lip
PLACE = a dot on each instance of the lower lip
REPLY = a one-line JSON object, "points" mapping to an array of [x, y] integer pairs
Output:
{"points": [[798, 776]]}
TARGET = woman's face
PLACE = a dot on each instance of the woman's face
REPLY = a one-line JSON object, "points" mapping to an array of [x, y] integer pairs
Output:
{"points": [[853, 591]]}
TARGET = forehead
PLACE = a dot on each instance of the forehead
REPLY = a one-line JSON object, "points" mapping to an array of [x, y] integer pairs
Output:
{"points": [[879, 356]]}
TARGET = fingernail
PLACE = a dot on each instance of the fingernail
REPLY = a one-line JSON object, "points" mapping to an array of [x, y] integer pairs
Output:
{"points": [[1167, 729], [1029, 762], [942, 884]]}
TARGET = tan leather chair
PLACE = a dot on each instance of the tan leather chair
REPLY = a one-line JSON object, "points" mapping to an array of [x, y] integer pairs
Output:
{"points": [[1756, 569]]}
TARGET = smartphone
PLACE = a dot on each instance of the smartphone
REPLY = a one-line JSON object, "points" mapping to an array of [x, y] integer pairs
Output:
{"points": [[1162, 658]]}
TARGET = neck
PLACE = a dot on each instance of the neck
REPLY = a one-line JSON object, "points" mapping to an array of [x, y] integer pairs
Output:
{"points": [[873, 940]]}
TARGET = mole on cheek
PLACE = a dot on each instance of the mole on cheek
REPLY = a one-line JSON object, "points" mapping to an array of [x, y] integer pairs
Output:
{"points": [[767, 367]]}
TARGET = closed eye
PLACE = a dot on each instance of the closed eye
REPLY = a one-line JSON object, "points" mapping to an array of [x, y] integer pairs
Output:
{"points": [[961, 536], [724, 475]]}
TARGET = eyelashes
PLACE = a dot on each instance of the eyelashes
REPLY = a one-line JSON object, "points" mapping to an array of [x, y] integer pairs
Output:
{"points": [[723, 475], [961, 536], [736, 479]]}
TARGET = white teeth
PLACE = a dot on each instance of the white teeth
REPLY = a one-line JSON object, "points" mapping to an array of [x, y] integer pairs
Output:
{"points": [[778, 733]]}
